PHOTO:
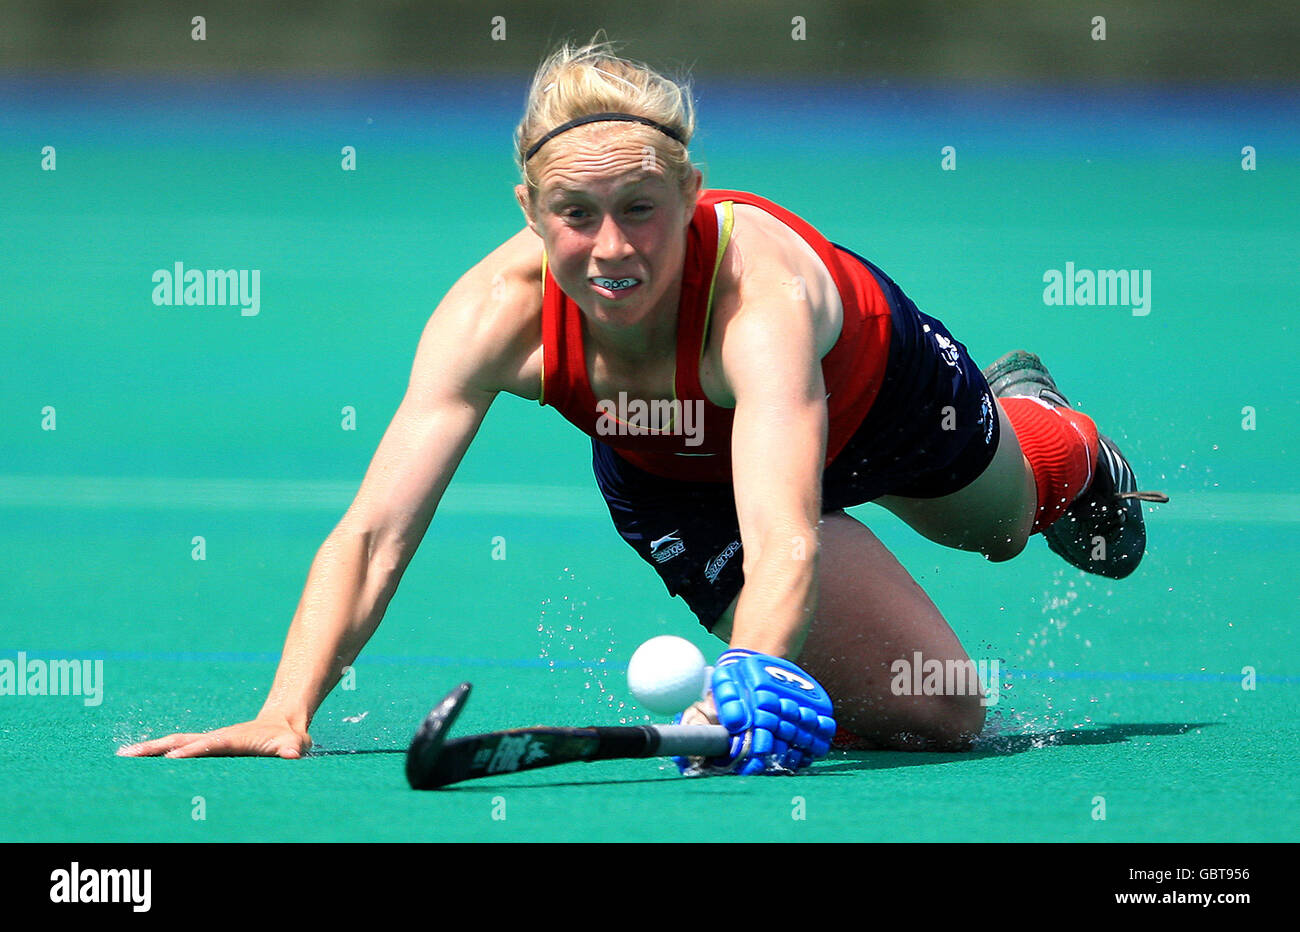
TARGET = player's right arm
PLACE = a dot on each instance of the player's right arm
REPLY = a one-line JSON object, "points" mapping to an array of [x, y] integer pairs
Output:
{"points": [[478, 342]]}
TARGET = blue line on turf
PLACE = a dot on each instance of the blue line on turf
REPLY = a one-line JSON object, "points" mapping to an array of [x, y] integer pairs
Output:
{"points": [[546, 662]]}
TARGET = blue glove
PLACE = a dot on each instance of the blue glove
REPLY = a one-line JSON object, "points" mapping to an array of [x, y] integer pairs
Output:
{"points": [[780, 718]]}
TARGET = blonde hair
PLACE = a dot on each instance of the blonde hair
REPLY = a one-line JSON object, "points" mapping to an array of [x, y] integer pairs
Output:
{"points": [[577, 81]]}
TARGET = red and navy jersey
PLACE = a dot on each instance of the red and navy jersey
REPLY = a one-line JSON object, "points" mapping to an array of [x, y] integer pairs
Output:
{"points": [[853, 369]]}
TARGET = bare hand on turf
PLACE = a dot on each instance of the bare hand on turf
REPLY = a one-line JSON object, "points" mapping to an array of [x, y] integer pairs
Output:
{"points": [[269, 737]]}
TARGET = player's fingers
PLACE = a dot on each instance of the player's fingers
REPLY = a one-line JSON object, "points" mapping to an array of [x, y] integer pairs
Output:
{"points": [[227, 743], [704, 712], [212, 744], [156, 746], [701, 713]]}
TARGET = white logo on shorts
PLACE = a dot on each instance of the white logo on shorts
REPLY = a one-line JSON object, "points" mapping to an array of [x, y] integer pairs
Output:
{"points": [[666, 547], [948, 350], [986, 417], [714, 566]]}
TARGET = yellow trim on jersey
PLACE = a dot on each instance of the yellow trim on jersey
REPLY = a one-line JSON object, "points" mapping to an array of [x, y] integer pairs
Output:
{"points": [[724, 237]]}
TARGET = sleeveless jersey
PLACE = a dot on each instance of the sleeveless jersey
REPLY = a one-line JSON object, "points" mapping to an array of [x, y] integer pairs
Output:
{"points": [[688, 437]]}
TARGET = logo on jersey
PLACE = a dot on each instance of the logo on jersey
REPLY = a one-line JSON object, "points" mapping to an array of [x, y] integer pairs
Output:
{"points": [[714, 566], [666, 547]]}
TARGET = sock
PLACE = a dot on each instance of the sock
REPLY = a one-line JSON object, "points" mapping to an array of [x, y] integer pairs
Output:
{"points": [[1061, 446]]}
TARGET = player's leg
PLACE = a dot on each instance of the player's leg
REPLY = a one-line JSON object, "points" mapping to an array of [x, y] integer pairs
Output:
{"points": [[937, 448], [870, 614], [1052, 472], [969, 480], [993, 515]]}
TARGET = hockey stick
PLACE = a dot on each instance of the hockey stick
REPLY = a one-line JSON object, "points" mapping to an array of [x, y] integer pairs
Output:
{"points": [[434, 760]]}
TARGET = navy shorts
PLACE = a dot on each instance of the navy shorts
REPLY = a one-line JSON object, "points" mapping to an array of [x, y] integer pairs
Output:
{"points": [[932, 430]]}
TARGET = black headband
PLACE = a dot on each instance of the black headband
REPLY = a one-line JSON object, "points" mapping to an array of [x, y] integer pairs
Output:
{"points": [[602, 118]]}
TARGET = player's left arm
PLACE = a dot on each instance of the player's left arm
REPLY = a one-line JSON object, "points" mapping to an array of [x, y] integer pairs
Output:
{"points": [[772, 366], [774, 328]]}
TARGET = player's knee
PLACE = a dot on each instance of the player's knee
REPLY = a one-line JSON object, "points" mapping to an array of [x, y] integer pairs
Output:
{"points": [[934, 723], [955, 723], [946, 723]]}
